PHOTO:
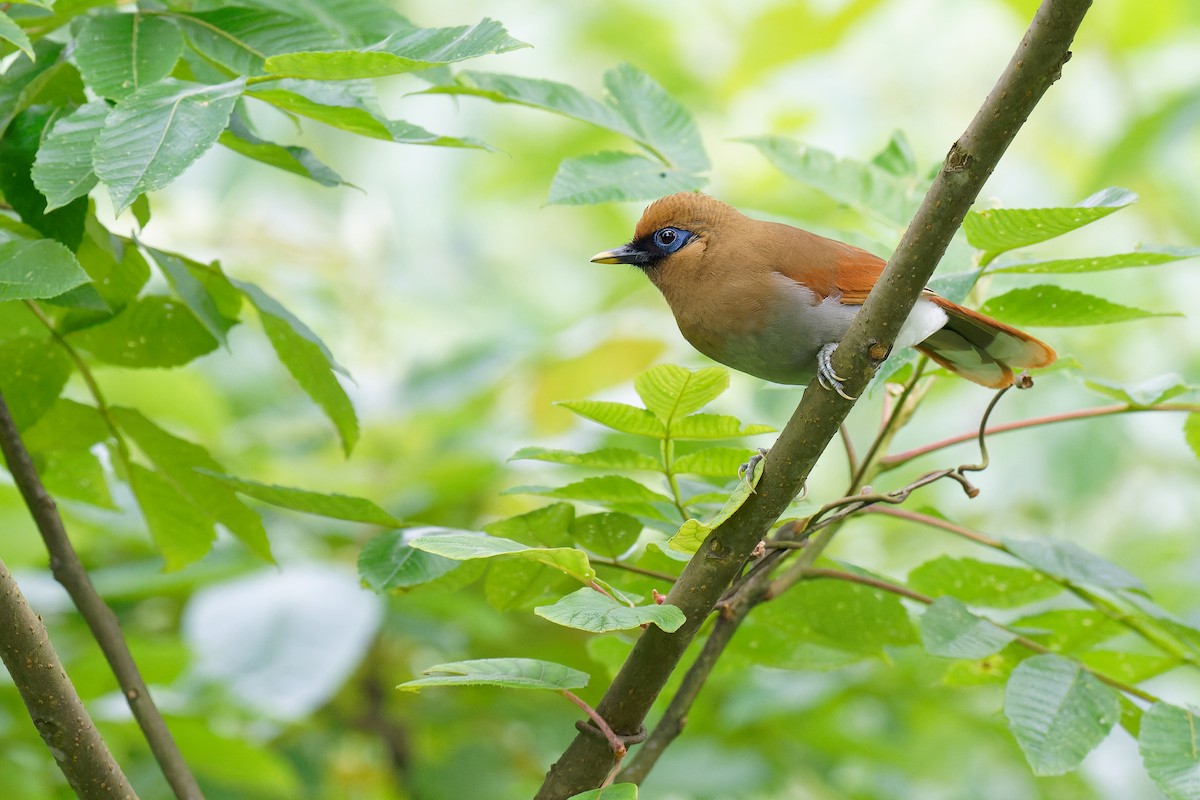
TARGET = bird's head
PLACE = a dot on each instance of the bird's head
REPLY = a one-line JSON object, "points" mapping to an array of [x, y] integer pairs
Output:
{"points": [[673, 236]]}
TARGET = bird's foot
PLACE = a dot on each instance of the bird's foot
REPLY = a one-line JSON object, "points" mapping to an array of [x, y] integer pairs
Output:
{"points": [[746, 471], [825, 374]]}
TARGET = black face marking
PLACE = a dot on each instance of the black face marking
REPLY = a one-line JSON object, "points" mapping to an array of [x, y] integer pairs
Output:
{"points": [[648, 251]]}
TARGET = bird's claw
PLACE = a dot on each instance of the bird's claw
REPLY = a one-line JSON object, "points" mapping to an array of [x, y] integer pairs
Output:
{"points": [[826, 376], [746, 471]]}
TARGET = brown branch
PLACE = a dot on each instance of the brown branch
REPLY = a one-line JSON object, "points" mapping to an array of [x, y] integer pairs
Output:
{"points": [[733, 611], [54, 706], [851, 453], [937, 522], [893, 461], [649, 573], [69, 571], [614, 741], [1036, 64]]}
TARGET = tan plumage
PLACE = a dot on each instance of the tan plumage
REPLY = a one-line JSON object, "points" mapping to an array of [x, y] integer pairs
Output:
{"points": [[764, 298]]}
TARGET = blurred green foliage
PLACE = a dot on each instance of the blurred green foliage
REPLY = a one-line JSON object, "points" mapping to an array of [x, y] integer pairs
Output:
{"points": [[464, 308]]}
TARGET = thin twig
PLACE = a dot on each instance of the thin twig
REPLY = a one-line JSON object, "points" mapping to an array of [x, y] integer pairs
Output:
{"points": [[649, 573], [895, 460], [851, 455], [901, 409], [614, 741], [69, 571], [937, 522]]}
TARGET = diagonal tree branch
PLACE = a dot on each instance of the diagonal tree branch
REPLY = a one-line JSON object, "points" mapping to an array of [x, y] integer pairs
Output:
{"points": [[69, 571], [1036, 64], [54, 706]]}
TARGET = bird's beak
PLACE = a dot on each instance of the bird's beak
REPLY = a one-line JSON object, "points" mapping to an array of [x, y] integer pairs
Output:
{"points": [[625, 254]]}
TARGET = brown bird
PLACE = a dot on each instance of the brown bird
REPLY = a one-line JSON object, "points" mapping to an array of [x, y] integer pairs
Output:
{"points": [[774, 301]]}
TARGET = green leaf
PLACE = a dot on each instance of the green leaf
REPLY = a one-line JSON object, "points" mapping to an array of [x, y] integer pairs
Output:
{"points": [[1169, 742], [118, 54], [403, 51], [549, 526], [520, 584], [152, 331], [181, 534], [671, 392], [508, 673], [1148, 257], [955, 286], [388, 562], [982, 583], [1191, 432], [308, 360], [1130, 668], [350, 106], [1069, 630], [240, 39], [18, 153], [716, 462], [118, 271], [1055, 307], [659, 121], [714, 426], [996, 230], [693, 532], [560, 98], [612, 176], [897, 157], [604, 489], [63, 170], [154, 134], [618, 416], [65, 425], [12, 32], [608, 534], [194, 285], [28, 81], [33, 373], [296, 160], [183, 464], [618, 458], [41, 268], [949, 629], [824, 623], [636, 107], [333, 506], [75, 475], [867, 188], [1147, 393], [589, 610], [1058, 712], [358, 21], [464, 546], [1070, 562]]}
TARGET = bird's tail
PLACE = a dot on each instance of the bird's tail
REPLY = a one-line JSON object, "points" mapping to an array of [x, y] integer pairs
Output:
{"points": [[982, 349]]}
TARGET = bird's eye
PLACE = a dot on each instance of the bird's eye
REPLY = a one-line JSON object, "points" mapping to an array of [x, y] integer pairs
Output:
{"points": [[671, 239]]}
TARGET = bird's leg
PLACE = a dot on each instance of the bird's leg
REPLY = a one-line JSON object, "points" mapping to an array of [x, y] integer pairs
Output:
{"points": [[746, 471], [825, 374]]}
